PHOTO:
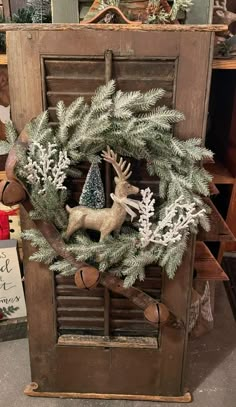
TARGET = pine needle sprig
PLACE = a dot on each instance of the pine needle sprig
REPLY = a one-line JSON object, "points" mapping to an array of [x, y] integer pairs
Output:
{"points": [[11, 136]]}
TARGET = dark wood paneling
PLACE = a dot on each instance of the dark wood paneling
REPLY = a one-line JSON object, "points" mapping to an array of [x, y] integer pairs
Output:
{"points": [[67, 79], [229, 265], [16, 5], [130, 371], [83, 311], [74, 67], [79, 301], [84, 85], [41, 313], [219, 230], [206, 265]]}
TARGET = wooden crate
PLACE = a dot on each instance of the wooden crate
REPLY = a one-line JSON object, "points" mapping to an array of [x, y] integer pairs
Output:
{"points": [[152, 363], [13, 329]]}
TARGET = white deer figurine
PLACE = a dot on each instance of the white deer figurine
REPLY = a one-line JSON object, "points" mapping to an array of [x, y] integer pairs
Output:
{"points": [[108, 219]]}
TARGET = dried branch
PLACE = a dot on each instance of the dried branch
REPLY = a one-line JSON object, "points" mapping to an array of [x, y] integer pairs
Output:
{"points": [[178, 218]]}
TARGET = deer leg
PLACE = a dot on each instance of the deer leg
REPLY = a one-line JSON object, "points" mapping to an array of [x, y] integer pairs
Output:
{"points": [[117, 231], [103, 234]]}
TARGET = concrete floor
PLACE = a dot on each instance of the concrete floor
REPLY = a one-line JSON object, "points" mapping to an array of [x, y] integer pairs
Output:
{"points": [[211, 372]]}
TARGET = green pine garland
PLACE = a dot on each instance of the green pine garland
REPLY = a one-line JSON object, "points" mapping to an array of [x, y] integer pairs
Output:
{"points": [[132, 125]]}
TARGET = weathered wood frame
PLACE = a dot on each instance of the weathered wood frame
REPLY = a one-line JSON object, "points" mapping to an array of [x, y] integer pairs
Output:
{"points": [[65, 369], [65, 12], [201, 12]]}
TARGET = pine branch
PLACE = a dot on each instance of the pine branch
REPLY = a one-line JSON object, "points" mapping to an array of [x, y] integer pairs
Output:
{"points": [[11, 136], [11, 133], [4, 147]]}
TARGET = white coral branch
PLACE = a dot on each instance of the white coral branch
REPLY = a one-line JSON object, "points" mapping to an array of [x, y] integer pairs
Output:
{"points": [[171, 228], [43, 166], [147, 211]]}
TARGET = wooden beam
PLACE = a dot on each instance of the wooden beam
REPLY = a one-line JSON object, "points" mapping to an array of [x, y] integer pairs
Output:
{"points": [[224, 64], [206, 266], [65, 11], [6, 8], [221, 174], [104, 341], [31, 390], [219, 229], [114, 27]]}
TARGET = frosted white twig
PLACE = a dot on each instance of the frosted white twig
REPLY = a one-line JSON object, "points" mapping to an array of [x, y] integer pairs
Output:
{"points": [[146, 209], [171, 228], [46, 166]]}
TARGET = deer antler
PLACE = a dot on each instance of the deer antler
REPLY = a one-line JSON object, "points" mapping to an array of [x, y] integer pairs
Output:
{"points": [[220, 8], [221, 15], [220, 5], [111, 157]]}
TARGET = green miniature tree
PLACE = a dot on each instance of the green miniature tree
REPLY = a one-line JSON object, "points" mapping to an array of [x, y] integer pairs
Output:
{"points": [[93, 195]]}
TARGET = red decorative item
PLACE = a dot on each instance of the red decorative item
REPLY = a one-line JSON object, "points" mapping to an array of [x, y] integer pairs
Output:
{"points": [[4, 224]]}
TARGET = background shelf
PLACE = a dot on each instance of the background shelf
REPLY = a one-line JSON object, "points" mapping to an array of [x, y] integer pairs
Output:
{"points": [[224, 64]]}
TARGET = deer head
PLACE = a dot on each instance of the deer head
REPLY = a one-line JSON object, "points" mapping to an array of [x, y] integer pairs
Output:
{"points": [[221, 14], [123, 188]]}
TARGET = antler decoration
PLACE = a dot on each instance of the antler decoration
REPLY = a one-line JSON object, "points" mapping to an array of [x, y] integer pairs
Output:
{"points": [[111, 157]]}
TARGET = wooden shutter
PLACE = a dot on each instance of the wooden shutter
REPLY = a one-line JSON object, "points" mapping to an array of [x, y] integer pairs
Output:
{"points": [[46, 66]]}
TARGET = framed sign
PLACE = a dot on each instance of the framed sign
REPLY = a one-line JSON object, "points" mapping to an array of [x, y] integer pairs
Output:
{"points": [[12, 301]]}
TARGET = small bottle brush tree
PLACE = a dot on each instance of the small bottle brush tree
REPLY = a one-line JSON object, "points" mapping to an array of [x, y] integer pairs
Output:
{"points": [[93, 192]]}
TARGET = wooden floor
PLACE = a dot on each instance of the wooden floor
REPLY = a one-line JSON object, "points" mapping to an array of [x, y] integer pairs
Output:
{"points": [[211, 378]]}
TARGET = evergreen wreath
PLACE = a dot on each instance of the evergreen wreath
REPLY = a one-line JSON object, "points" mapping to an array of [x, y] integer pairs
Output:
{"points": [[133, 126]]}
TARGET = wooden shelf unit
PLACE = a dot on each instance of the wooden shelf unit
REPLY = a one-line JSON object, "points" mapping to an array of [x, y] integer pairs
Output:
{"points": [[223, 138], [224, 64], [221, 174], [3, 59], [206, 265]]}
